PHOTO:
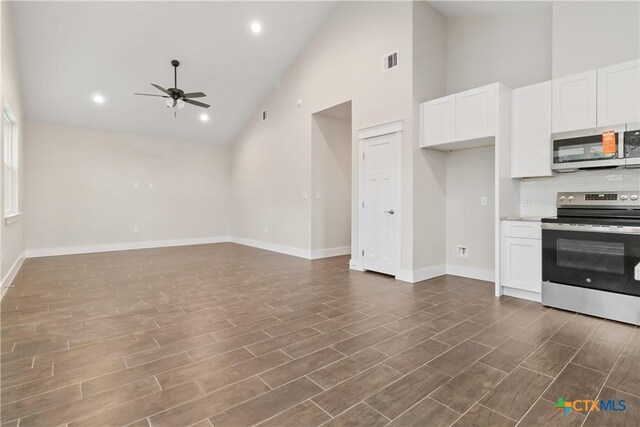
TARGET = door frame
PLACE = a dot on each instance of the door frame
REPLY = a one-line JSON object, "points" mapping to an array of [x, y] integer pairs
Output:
{"points": [[364, 134]]}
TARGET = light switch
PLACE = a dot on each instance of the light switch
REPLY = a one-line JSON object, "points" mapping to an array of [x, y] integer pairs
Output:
{"points": [[483, 201], [150, 185], [136, 185]]}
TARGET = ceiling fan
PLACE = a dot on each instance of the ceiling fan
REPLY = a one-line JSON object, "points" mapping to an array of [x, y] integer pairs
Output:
{"points": [[176, 97]]}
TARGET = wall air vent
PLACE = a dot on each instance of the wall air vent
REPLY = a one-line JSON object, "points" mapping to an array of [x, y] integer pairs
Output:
{"points": [[390, 61]]}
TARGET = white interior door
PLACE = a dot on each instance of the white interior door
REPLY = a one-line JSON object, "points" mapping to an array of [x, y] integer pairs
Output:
{"points": [[380, 211]]}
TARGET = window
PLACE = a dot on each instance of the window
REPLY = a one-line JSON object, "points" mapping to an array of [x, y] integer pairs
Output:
{"points": [[10, 163]]}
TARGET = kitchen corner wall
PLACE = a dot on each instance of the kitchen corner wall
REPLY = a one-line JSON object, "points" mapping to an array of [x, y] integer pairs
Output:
{"points": [[11, 235], [586, 35], [429, 166], [514, 49], [553, 40]]}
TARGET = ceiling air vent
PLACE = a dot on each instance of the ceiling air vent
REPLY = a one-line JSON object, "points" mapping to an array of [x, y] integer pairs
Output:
{"points": [[390, 61]]}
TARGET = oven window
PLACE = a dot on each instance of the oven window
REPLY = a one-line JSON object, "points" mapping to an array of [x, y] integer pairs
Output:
{"points": [[605, 257]]}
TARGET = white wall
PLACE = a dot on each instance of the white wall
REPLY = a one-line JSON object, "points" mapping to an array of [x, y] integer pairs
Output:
{"points": [[11, 235], [331, 181], [429, 166], [272, 159], [470, 176], [80, 188], [588, 35], [514, 49]]}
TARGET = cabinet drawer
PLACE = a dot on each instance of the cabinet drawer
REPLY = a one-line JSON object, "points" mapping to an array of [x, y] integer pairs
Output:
{"points": [[521, 229]]}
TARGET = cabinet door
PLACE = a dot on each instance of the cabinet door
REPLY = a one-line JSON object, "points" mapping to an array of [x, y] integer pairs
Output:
{"points": [[438, 121], [619, 94], [521, 263], [574, 102], [476, 112], [531, 131]]}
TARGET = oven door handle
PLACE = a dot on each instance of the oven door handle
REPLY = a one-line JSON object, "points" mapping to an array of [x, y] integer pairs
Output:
{"points": [[610, 229]]}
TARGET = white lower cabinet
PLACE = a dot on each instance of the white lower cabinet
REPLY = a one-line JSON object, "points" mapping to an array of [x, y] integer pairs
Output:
{"points": [[521, 259]]}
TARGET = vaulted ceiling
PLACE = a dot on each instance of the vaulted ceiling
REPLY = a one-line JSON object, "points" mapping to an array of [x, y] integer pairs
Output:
{"points": [[71, 51]]}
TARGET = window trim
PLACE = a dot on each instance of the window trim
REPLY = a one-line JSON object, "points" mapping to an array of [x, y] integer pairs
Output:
{"points": [[12, 215]]}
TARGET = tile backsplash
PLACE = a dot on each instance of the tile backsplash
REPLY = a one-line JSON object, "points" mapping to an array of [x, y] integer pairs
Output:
{"points": [[538, 195]]}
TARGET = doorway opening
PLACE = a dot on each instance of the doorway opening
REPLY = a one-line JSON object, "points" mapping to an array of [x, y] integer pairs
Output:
{"points": [[331, 181]]}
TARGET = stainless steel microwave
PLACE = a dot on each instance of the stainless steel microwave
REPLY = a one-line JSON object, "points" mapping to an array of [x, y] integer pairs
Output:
{"points": [[632, 146], [587, 149]]}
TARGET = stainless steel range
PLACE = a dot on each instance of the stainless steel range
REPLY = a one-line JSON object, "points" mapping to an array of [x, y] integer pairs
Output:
{"points": [[591, 255]]}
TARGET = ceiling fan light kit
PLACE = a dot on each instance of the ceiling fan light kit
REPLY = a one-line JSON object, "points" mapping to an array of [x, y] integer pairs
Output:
{"points": [[176, 98]]}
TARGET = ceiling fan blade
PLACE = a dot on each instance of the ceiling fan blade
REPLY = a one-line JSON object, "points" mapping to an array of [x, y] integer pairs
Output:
{"points": [[148, 94], [160, 88], [199, 104], [194, 95]]}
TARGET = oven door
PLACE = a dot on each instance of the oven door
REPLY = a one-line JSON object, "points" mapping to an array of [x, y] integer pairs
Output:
{"points": [[591, 256]]}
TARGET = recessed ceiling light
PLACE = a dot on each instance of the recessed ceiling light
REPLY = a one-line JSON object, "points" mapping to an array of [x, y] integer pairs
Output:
{"points": [[98, 99], [256, 27], [204, 117]]}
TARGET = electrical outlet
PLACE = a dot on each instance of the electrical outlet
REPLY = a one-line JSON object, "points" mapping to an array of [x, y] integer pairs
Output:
{"points": [[462, 251], [483, 201], [151, 186], [136, 229]]}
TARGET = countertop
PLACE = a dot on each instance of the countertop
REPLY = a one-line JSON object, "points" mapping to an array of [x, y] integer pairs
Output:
{"points": [[521, 218]]}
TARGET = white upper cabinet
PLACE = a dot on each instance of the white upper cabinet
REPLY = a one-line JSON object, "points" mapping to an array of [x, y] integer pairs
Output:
{"points": [[438, 121], [619, 94], [476, 112], [531, 131], [463, 120], [574, 102]]}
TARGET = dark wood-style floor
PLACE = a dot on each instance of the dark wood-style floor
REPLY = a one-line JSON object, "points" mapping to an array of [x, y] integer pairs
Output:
{"points": [[227, 335]]}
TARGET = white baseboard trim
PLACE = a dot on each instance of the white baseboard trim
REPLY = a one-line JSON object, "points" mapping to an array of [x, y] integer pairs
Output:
{"points": [[11, 274], [331, 252], [521, 293], [111, 247], [414, 276], [273, 247], [471, 272]]}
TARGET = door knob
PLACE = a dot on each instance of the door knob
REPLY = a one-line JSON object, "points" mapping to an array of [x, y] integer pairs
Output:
{"points": [[390, 211]]}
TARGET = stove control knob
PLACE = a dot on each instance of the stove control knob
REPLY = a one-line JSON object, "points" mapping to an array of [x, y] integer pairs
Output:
{"points": [[623, 197], [570, 198], [634, 197], [562, 198]]}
